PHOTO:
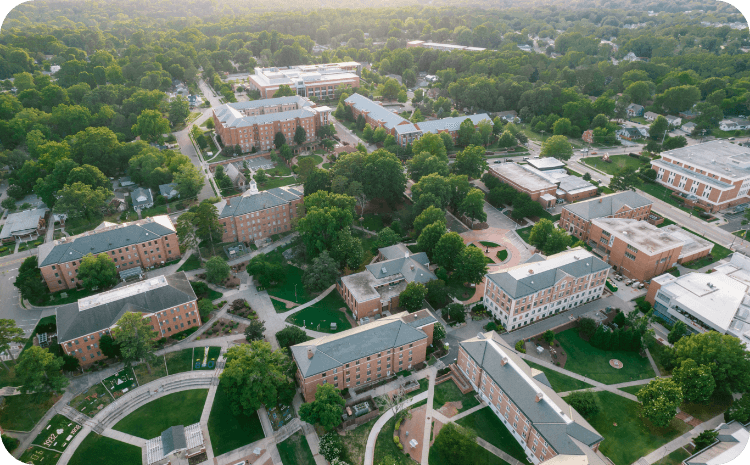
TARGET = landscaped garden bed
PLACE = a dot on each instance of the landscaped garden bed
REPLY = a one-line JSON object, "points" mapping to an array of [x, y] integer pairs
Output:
{"points": [[121, 382], [92, 400], [241, 308], [205, 358], [224, 327]]}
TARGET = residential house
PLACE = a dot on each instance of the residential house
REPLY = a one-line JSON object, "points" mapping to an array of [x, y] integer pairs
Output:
{"points": [[238, 179], [169, 191], [142, 198], [674, 121], [634, 110], [509, 116], [24, 225], [688, 114], [650, 115], [628, 133], [734, 124], [688, 127]]}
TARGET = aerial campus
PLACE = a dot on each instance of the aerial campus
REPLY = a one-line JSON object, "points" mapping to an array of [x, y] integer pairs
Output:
{"points": [[257, 233]]}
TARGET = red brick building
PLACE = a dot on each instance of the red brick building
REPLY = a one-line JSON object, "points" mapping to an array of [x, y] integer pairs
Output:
{"points": [[143, 243], [547, 187], [365, 354], [576, 218], [169, 302]]}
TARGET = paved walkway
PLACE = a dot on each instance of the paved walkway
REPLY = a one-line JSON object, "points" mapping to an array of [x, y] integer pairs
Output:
{"points": [[681, 441], [382, 420], [498, 452], [124, 437], [653, 363]]}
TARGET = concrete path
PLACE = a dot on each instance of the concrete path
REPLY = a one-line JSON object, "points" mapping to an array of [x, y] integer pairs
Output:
{"points": [[124, 437], [653, 363], [681, 441], [498, 452], [372, 438], [429, 415]]}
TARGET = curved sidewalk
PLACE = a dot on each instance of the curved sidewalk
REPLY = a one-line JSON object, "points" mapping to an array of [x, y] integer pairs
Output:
{"points": [[373, 437]]}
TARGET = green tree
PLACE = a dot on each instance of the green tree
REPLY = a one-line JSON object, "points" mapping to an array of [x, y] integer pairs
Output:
{"points": [[658, 128], [432, 143], [110, 347], [291, 335], [326, 409], [29, 281], [430, 236], [506, 140], [284, 91], [179, 110], [465, 131], [455, 312], [447, 250], [217, 270], [150, 125], [584, 402], [725, 354], [189, 181], [471, 162], [455, 444], [205, 307], [557, 241], [39, 371], [254, 375], [696, 381], [425, 163], [254, 330], [9, 333], [678, 331], [705, 439], [80, 200], [387, 237], [402, 97], [97, 272], [671, 143], [471, 265], [279, 140], [430, 215], [207, 222], [438, 333], [540, 233], [300, 135], [411, 298], [321, 274], [659, 401], [187, 233], [437, 293], [136, 339], [624, 179], [739, 410], [473, 205], [558, 147], [325, 215], [389, 89], [549, 336], [267, 273]]}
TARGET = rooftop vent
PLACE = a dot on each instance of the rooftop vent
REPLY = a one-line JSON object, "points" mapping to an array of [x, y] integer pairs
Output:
{"points": [[531, 271], [539, 396], [383, 270], [504, 361]]}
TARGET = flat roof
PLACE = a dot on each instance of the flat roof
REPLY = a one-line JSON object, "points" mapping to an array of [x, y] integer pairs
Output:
{"points": [[731, 160], [640, 234], [546, 163], [25, 221], [521, 177], [713, 298], [681, 170], [692, 243]]}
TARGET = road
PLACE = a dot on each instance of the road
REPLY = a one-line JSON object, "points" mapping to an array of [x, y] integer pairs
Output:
{"points": [[345, 135]]}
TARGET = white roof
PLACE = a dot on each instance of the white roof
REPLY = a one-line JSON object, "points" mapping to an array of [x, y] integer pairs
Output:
{"points": [[712, 298], [553, 262]]}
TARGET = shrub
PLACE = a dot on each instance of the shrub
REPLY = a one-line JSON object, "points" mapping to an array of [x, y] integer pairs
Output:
{"points": [[584, 402], [395, 439], [520, 346]]}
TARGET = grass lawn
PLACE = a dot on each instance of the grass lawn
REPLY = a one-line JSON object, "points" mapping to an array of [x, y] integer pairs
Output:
{"points": [[287, 290], [618, 162], [39, 456], [719, 252], [317, 158], [479, 456], [355, 441], [177, 362], [320, 316], [457, 289], [662, 193], [559, 381], [384, 446], [327, 166], [489, 427], [72, 296], [8, 377], [22, 412], [372, 222], [75, 226], [148, 421], [199, 355], [296, 451], [675, 458], [229, 431], [448, 392], [594, 363], [524, 233], [632, 389], [424, 384], [633, 437], [502, 255], [154, 211], [277, 182], [279, 170], [158, 370], [105, 451], [88, 402], [192, 263], [719, 404], [279, 306], [489, 244], [51, 439]]}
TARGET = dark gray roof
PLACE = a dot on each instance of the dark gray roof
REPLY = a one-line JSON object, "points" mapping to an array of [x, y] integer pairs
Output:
{"points": [[413, 268], [74, 321], [172, 439], [75, 248], [347, 346], [542, 378], [607, 205], [375, 111], [252, 202], [138, 192], [537, 257]]}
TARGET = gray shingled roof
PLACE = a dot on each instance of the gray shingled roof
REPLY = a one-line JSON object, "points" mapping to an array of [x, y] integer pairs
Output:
{"points": [[75, 248], [172, 439], [451, 123], [404, 265], [138, 192], [22, 222], [259, 201], [607, 205], [73, 322], [347, 346], [375, 111]]}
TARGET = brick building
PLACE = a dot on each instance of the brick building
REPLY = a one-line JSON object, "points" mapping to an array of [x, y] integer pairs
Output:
{"points": [[402, 129], [443, 47], [714, 175], [258, 215], [576, 218], [139, 244], [365, 354], [168, 301], [640, 250], [377, 289], [525, 293], [548, 187], [255, 123], [319, 80], [546, 427]]}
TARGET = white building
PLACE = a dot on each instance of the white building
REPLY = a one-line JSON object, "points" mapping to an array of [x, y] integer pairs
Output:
{"points": [[732, 439], [734, 124]]}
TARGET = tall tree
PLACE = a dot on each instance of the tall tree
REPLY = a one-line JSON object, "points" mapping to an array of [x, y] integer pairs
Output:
{"points": [[696, 381], [80, 200], [455, 443], [430, 236], [39, 371], [558, 147], [9, 333], [465, 132], [447, 250], [430, 215], [97, 272], [471, 265], [659, 401], [321, 274], [179, 110], [540, 233], [326, 409], [325, 215], [725, 354], [279, 140], [217, 270], [189, 181], [150, 125], [300, 135], [658, 128], [471, 162], [207, 221], [136, 339], [29, 281], [412, 296], [473, 206]]}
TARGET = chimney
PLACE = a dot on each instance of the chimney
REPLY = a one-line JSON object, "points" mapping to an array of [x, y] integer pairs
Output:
{"points": [[504, 361], [309, 353], [539, 396], [229, 202], [412, 267], [600, 200]]}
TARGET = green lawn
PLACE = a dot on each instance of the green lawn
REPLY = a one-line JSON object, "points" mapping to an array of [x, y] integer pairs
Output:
{"points": [[660, 355], [51, 439], [662, 193], [594, 363], [229, 431], [180, 361], [633, 437], [719, 403], [559, 381], [126, 381], [158, 370], [192, 263], [457, 289], [277, 182], [618, 162], [72, 296], [154, 211], [372, 222], [424, 384], [317, 158], [489, 427], [8, 377], [279, 170], [323, 313], [39, 456], [489, 244], [502, 255], [291, 288], [719, 252], [75, 226], [295, 450], [148, 421], [632, 389], [384, 446], [199, 354], [675, 458], [105, 451], [279, 306], [479, 456], [22, 412], [448, 392], [327, 166], [88, 402], [524, 233]]}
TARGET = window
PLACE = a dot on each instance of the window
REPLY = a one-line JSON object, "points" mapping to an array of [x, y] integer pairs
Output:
{"points": [[630, 255]]}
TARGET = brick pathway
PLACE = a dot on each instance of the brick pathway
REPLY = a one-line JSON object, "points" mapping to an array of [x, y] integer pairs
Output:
{"points": [[415, 427]]}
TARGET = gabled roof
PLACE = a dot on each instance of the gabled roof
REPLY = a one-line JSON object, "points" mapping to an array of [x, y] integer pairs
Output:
{"points": [[166, 189], [255, 201], [102, 311], [141, 192], [375, 111], [347, 346], [173, 439], [607, 205], [22, 222]]}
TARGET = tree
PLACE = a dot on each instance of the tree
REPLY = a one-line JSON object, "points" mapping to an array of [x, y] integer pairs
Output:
{"points": [[540, 233], [255, 375], [255, 330], [696, 381], [317, 180], [179, 110], [455, 444], [217, 270], [385, 178], [659, 401], [326, 215], [465, 131], [676, 142], [150, 125], [29, 281], [300, 135], [10, 443], [425, 163], [506, 140], [267, 273], [9, 333], [207, 222], [321, 274], [739, 410], [291, 335], [557, 241], [471, 265], [187, 233], [39, 371], [624, 179], [136, 339], [189, 181], [430, 215], [326, 409], [431, 143], [284, 91], [387, 237], [438, 332], [549, 336], [558, 147], [584, 402], [471, 162], [473, 205], [725, 354], [679, 330], [447, 250], [279, 140], [430, 236], [705, 439], [110, 347], [658, 128], [80, 200], [455, 312], [402, 97], [205, 307], [97, 272], [389, 89], [411, 298]]}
